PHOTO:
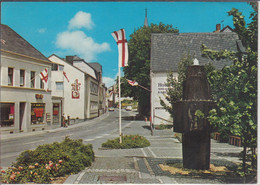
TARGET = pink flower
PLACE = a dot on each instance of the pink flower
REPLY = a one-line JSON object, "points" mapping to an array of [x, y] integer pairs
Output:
{"points": [[18, 173], [31, 167], [60, 161], [48, 167], [12, 177], [20, 168], [50, 162]]}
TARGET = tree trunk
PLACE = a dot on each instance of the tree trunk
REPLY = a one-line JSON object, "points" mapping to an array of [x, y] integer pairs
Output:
{"points": [[244, 159]]}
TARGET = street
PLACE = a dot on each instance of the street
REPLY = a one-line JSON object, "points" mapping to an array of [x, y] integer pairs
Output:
{"points": [[138, 165], [94, 131]]}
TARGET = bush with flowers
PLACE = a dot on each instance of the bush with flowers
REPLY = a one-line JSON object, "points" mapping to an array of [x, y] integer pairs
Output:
{"points": [[128, 141], [49, 161]]}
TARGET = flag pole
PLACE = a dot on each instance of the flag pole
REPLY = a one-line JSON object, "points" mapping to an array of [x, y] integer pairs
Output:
{"points": [[119, 97]]}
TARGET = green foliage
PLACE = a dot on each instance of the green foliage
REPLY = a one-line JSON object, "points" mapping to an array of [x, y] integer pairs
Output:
{"points": [[50, 160], [235, 87], [163, 127], [138, 68], [128, 141]]}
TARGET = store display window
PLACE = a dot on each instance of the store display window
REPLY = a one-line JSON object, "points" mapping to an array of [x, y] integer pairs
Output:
{"points": [[56, 112], [7, 114], [37, 113]]}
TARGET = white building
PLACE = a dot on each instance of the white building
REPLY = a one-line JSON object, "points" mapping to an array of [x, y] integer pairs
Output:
{"points": [[77, 88], [167, 49], [25, 105]]}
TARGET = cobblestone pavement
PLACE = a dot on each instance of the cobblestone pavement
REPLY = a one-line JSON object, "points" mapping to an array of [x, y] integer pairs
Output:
{"points": [[141, 165]]}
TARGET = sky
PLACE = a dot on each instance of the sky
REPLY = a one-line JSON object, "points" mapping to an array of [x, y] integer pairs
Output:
{"points": [[84, 28]]}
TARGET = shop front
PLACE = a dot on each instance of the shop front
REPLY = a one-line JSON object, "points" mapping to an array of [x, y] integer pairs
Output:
{"points": [[38, 113], [7, 114]]}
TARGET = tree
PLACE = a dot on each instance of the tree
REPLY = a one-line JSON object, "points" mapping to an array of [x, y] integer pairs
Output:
{"points": [[235, 87], [175, 86], [138, 68]]}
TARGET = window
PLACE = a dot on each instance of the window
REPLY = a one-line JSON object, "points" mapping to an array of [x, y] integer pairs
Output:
{"points": [[93, 88], [6, 114], [32, 79], [54, 67], [41, 84], [61, 67], [10, 76], [22, 75], [37, 113], [59, 86]]}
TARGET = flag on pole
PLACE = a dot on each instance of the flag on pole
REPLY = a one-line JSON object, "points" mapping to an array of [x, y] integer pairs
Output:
{"points": [[65, 76], [133, 83], [44, 78], [120, 38]]}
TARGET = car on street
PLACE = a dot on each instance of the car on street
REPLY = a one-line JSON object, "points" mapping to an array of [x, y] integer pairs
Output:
{"points": [[128, 108], [111, 109]]}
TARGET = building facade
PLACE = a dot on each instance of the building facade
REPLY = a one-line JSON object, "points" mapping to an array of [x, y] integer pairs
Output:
{"points": [[77, 88], [25, 104], [167, 49]]}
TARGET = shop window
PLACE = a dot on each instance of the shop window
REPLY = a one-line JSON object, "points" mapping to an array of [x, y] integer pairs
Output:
{"points": [[10, 76], [22, 77], [37, 113], [32, 79], [7, 114], [56, 113]]}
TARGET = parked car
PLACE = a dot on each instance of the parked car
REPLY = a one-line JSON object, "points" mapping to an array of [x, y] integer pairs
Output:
{"points": [[128, 108], [111, 109]]}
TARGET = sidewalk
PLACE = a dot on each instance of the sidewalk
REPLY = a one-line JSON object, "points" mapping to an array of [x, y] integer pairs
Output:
{"points": [[140, 165], [26, 134]]}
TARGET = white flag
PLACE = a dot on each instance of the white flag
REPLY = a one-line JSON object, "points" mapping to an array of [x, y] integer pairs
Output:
{"points": [[120, 38], [44, 77], [133, 83]]}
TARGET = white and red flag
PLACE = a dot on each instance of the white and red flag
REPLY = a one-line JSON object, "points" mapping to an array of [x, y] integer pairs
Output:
{"points": [[133, 83], [66, 76], [120, 38], [44, 77]]}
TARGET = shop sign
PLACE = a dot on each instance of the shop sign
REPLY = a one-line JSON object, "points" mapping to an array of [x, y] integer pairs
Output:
{"points": [[39, 96], [75, 89]]}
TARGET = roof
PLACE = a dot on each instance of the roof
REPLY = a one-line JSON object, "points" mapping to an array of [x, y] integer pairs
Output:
{"points": [[96, 66], [167, 49], [13, 42]]}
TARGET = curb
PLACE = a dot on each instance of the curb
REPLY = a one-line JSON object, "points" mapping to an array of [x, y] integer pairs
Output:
{"points": [[27, 134]]}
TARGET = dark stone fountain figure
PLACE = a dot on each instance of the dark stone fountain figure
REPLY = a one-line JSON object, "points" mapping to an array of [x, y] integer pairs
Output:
{"points": [[190, 119]]}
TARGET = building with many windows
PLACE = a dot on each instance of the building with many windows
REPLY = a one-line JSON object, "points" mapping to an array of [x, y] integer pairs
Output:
{"points": [[76, 83], [25, 105]]}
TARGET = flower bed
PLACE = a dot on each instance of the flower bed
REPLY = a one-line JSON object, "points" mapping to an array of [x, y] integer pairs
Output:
{"points": [[128, 141], [49, 161]]}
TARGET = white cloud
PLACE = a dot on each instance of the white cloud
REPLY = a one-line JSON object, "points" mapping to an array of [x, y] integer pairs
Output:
{"points": [[81, 20], [108, 81], [82, 45], [42, 30]]}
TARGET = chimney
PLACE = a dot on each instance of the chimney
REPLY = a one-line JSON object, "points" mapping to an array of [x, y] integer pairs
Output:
{"points": [[69, 59], [218, 27]]}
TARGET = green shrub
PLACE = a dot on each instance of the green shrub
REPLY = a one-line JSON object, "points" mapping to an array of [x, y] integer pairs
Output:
{"points": [[128, 141], [163, 127], [48, 161]]}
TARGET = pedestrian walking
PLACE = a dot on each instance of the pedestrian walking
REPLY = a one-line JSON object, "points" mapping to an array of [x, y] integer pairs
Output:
{"points": [[64, 122]]}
